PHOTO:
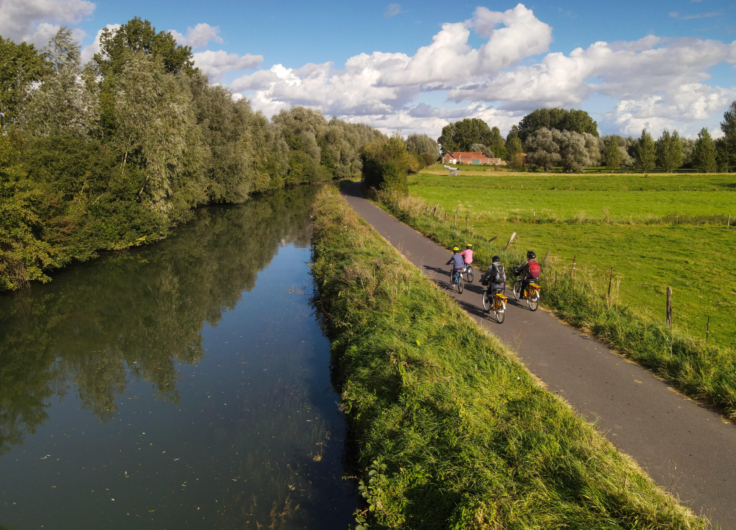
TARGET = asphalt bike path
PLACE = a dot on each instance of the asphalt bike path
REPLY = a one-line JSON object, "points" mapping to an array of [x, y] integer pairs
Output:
{"points": [[685, 447]]}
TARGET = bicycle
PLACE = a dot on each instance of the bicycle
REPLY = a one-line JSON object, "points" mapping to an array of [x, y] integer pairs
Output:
{"points": [[497, 304], [531, 297], [469, 273], [456, 279]]}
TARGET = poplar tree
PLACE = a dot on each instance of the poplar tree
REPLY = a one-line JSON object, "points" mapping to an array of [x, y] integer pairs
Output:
{"points": [[704, 157], [613, 154], [669, 151], [646, 153], [728, 126]]}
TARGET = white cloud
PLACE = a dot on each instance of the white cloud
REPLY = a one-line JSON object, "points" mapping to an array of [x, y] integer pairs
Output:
{"points": [[197, 36], [392, 10], [217, 64], [36, 21], [450, 57], [89, 51], [654, 80]]}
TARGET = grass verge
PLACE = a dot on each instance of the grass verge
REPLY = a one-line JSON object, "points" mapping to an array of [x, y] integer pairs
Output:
{"points": [[702, 371], [452, 432]]}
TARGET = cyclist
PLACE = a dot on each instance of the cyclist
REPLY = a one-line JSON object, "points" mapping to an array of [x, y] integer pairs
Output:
{"points": [[467, 255], [458, 264], [529, 271], [495, 276]]}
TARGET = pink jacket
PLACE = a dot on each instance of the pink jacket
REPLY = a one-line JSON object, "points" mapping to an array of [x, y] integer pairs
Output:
{"points": [[467, 255]]}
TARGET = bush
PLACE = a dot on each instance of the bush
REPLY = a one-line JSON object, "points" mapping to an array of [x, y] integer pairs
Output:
{"points": [[386, 163]]}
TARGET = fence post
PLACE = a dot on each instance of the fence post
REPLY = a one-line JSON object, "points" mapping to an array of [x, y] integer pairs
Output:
{"points": [[707, 330], [669, 307], [467, 221], [729, 220], [544, 262], [513, 235], [572, 268], [610, 280], [456, 216]]}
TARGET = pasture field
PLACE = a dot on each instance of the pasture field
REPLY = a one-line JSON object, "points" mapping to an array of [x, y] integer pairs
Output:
{"points": [[665, 230]]}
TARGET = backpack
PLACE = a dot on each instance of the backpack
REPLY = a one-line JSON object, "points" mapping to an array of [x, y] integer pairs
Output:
{"points": [[534, 269], [500, 274]]}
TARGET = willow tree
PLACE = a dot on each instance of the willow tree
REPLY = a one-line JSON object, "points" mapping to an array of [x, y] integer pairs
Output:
{"points": [[65, 98], [421, 143], [155, 118], [543, 149]]}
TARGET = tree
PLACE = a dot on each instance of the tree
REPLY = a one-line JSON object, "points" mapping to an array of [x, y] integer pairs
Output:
{"points": [[459, 136], [591, 146], [20, 65], [573, 154], [724, 158], [496, 138], [704, 155], [543, 149], [646, 153], [385, 164], [577, 121], [728, 126], [421, 143], [480, 148], [65, 102], [138, 35], [669, 151], [155, 119], [613, 154], [513, 152]]}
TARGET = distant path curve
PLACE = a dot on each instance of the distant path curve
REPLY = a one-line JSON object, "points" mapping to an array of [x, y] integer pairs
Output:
{"points": [[686, 448]]}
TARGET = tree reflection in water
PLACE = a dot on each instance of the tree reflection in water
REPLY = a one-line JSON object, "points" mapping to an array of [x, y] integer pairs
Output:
{"points": [[241, 430], [135, 314]]}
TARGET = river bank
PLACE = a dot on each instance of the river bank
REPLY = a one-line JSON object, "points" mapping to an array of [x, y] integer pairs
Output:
{"points": [[452, 432]]}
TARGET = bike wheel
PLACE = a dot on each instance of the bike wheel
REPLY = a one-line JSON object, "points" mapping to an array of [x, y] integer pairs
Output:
{"points": [[470, 274], [534, 301], [517, 290], [486, 303], [500, 316], [460, 284]]}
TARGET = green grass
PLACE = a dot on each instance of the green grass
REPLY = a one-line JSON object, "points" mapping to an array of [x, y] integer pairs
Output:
{"points": [[647, 250], [703, 371], [451, 431]]}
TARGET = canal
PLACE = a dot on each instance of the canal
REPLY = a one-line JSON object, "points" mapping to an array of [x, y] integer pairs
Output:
{"points": [[181, 385]]}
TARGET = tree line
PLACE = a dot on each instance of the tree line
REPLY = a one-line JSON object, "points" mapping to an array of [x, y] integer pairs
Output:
{"points": [[113, 153], [570, 139]]}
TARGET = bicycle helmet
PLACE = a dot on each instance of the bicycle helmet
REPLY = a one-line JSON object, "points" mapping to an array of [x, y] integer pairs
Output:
{"points": [[495, 259], [468, 245], [455, 249], [531, 255]]}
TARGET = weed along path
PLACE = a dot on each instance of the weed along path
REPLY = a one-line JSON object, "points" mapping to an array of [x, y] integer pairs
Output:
{"points": [[688, 449]]}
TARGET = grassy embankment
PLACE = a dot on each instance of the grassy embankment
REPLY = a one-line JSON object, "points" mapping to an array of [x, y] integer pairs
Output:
{"points": [[703, 371], [452, 432], [655, 232]]}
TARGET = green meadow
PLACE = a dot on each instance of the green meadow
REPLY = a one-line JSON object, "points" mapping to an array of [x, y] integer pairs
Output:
{"points": [[656, 231]]}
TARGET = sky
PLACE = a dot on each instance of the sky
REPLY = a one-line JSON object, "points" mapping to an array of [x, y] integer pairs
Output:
{"points": [[416, 66]]}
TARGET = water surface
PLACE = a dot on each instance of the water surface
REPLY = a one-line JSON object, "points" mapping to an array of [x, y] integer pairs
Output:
{"points": [[182, 385]]}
